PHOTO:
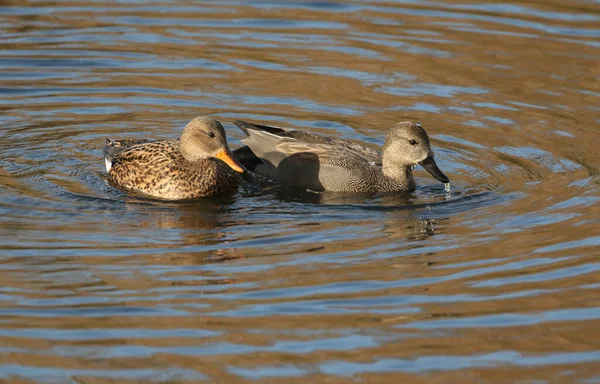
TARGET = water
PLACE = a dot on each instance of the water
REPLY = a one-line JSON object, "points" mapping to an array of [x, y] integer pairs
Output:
{"points": [[495, 281]]}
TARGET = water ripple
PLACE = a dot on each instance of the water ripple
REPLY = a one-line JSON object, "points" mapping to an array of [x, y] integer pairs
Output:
{"points": [[496, 278]]}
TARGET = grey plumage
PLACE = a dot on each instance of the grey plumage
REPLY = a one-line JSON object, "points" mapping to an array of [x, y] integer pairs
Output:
{"points": [[322, 163]]}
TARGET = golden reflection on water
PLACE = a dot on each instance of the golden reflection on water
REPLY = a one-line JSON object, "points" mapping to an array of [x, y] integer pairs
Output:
{"points": [[495, 282]]}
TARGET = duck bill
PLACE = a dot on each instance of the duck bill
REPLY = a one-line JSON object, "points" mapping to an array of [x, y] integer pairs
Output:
{"points": [[226, 156], [431, 167]]}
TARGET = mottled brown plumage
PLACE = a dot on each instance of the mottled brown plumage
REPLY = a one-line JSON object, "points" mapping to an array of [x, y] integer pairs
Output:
{"points": [[199, 164]]}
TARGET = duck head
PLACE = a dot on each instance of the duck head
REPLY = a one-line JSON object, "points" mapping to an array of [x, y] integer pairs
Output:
{"points": [[204, 137], [406, 145]]}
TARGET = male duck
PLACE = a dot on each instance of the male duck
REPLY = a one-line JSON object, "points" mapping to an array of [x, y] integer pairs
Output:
{"points": [[199, 164], [321, 163]]}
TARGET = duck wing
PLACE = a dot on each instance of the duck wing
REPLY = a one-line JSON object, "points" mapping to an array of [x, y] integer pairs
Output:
{"points": [[139, 152], [307, 160], [306, 141], [348, 146], [112, 147]]}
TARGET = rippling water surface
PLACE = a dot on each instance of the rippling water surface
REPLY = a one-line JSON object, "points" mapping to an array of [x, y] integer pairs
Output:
{"points": [[497, 281]]}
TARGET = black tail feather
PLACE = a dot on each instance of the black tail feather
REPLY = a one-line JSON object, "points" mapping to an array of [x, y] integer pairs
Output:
{"points": [[247, 158], [112, 147], [244, 126]]}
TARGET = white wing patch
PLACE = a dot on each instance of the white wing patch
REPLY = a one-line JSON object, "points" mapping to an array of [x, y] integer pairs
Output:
{"points": [[290, 148], [108, 163]]}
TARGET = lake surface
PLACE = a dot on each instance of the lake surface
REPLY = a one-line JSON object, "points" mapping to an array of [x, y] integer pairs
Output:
{"points": [[497, 281]]}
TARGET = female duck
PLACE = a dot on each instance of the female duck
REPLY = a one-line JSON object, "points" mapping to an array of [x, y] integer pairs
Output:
{"points": [[321, 163], [199, 164]]}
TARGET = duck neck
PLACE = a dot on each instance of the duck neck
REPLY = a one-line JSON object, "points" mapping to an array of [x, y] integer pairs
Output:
{"points": [[190, 154], [400, 174]]}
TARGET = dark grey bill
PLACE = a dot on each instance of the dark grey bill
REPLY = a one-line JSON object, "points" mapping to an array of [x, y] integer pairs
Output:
{"points": [[431, 167]]}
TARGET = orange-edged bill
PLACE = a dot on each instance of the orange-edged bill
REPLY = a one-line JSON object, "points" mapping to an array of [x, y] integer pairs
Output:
{"points": [[226, 156]]}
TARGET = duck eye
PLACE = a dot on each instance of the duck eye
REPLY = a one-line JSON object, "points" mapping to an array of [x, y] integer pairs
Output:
{"points": [[211, 134], [413, 142]]}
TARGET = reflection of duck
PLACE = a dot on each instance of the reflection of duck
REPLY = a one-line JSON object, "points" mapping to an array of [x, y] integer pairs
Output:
{"points": [[199, 164], [321, 163], [192, 232]]}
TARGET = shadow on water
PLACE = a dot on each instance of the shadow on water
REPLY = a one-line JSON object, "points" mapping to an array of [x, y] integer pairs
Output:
{"points": [[427, 197]]}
